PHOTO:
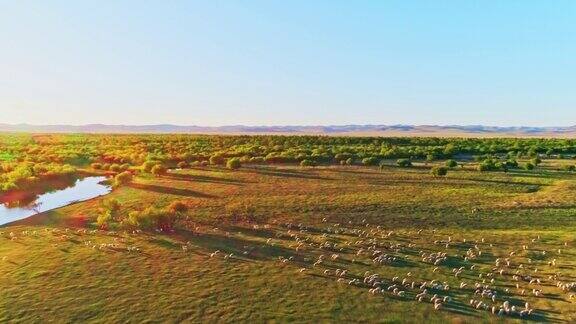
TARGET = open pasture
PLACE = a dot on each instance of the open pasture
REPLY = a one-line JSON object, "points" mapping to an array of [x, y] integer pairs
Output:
{"points": [[332, 243]]}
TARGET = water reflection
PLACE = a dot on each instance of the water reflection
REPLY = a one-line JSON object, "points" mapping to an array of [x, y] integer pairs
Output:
{"points": [[18, 206]]}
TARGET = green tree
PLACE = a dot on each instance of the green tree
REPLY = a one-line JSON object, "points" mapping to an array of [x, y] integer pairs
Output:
{"points": [[451, 163], [148, 165], [370, 161], [404, 163], [439, 171], [307, 163], [233, 164], [122, 179]]}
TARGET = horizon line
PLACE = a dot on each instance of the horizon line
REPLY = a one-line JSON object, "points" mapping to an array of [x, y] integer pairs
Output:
{"points": [[279, 125]]}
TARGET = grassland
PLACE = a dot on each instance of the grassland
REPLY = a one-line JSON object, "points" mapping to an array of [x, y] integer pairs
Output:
{"points": [[271, 224]]}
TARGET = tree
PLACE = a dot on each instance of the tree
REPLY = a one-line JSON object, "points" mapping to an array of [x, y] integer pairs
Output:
{"points": [[512, 163], [529, 166], [404, 163], [451, 163], [148, 165], [439, 171], [182, 165], [96, 166], [449, 149], [233, 164], [372, 160], [307, 163], [159, 170], [104, 219], [108, 212], [122, 179], [216, 159]]}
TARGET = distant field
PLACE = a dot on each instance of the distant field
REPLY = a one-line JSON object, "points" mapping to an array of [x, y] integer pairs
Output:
{"points": [[271, 226]]}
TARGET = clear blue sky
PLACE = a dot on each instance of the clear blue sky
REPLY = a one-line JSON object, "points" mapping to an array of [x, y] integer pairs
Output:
{"points": [[505, 62]]}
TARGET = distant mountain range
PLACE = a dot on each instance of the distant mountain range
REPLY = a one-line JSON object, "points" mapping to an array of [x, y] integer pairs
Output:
{"points": [[344, 130]]}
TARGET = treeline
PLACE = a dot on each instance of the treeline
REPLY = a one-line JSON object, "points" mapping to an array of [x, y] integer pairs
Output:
{"points": [[119, 152], [21, 175]]}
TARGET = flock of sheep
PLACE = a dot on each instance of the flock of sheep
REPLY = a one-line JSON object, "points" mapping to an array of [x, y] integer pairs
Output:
{"points": [[503, 276]]}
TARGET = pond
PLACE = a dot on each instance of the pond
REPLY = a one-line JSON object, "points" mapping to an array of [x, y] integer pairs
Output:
{"points": [[81, 190]]}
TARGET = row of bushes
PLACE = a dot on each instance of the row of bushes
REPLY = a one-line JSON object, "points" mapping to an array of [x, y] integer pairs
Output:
{"points": [[110, 215], [150, 218]]}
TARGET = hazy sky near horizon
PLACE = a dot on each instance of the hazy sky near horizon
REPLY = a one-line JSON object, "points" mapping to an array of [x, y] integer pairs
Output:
{"points": [[273, 62]]}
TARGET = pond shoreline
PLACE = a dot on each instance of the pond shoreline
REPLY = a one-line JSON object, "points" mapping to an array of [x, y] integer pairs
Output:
{"points": [[69, 193]]}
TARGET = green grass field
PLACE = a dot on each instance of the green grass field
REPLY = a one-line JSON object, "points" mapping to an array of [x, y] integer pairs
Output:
{"points": [[270, 243]]}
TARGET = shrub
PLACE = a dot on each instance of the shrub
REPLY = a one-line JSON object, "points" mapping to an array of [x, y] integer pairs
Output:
{"points": [[451, 163], [570, 168], [492, 165], [529, 166], [112, 205], [233, 164], [115, 168], [125, 167], [104, 219], [502, 166], [146, 218], [307, 163], [241, 212], [216, 159], [257, 160], [177, 207], [148, 165], [159, 170], [153, 218], [404, 163], [349, 161], [439, 171], [96, 166], [182, 165], [122, 179], [512, 163], [108, 212], [370, 161]]}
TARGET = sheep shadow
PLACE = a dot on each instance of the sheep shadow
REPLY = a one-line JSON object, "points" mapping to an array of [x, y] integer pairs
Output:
{"points": [[241, 248]]}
